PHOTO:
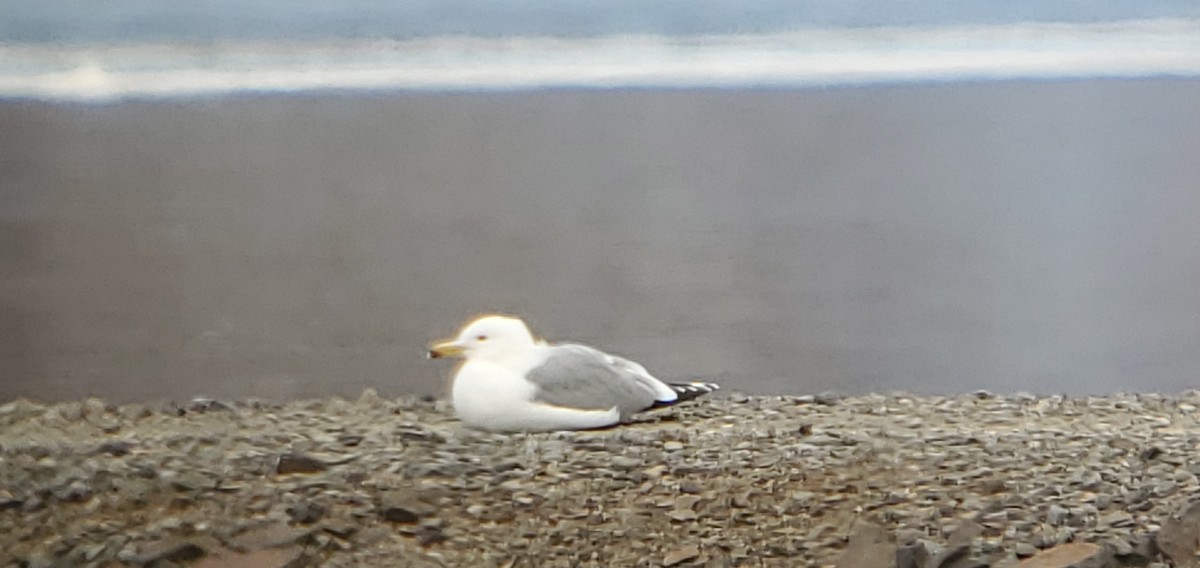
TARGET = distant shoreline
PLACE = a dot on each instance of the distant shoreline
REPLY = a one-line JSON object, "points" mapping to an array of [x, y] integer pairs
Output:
{"points": [[401, 94], [797, 58]]}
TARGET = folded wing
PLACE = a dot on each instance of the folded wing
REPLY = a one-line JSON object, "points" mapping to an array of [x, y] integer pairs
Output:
{"points": [[578, 376]]}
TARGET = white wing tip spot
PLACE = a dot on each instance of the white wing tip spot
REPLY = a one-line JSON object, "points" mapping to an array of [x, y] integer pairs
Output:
{"points": [[695, 387]]}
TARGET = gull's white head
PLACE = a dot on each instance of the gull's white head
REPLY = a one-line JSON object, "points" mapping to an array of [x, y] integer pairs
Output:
{"points": [[488, 337]]}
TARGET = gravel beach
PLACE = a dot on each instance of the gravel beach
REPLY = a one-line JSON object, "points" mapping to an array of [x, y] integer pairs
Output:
{"points": [[881, 480]]}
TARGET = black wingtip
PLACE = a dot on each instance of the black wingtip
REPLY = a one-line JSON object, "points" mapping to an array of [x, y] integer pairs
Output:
{"points": [[688, 391]]}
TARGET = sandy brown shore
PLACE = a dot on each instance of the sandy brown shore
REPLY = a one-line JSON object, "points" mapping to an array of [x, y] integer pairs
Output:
{"points": [[897, 480]]}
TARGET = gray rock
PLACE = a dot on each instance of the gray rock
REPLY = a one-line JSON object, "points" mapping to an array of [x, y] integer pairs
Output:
{"points": [[159, 553], [1073, 555], [289, 557], [681, 555], [1025, 550], [1057, 515], [957, 553], [428, 535], [306, 513], [74, 492], [625, 462], [918, 554], [269, 535], [869, 547], [402, 507], [1179, 538], [1141, 551], [299, 463], [828, 398], [342, 530], [202, 405], [116, 448], [8, 501]]}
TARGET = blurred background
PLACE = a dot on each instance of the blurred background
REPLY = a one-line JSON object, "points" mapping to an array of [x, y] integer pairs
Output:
{"points": [[279, 200]]}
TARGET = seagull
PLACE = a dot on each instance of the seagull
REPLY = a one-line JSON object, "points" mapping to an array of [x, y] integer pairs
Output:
{"points": [[511, 381]]}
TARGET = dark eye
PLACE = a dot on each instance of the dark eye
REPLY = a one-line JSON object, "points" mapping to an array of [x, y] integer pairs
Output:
{"points": [[482, 338]]}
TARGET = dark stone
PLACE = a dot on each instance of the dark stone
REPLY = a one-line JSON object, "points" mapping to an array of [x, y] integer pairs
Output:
{"points": [[306, 513], [427, 536], [399, 514], [161, 553], [955, 556], [1142, 551], [8, 501], [828, 398], [202, 405], [340, 530], [350, 440], [116, 448], [75, 492], [299, 463], [689, 487], [914, 555], [402, 506], [37, 452], [1150, 453]]}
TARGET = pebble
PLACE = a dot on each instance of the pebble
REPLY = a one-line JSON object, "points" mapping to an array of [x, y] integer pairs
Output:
{"points": [[266, 558], [1179, 537], [306, 513], [925, 481], [299, 463], [1057, 515], [400, 507], [169, 551], [269, 535], [1074, 555], [681, 555]]}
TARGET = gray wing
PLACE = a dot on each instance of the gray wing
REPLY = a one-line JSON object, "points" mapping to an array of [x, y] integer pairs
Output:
{"points": [[578, 376]]}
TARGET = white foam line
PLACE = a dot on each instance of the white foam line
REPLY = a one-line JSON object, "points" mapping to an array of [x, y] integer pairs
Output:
{"points": [[811, 57]]}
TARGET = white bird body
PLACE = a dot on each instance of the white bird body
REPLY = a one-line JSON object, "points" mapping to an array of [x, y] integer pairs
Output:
{"points": [[493, 397], [511, 381]]}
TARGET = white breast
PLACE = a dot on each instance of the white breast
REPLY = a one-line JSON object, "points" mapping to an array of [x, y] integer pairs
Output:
{"points": [[494, 397], [482, 390]]}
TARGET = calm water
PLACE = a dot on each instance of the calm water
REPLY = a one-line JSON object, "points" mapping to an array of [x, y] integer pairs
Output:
{"points": [[1020, 235], [281, 200]]}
